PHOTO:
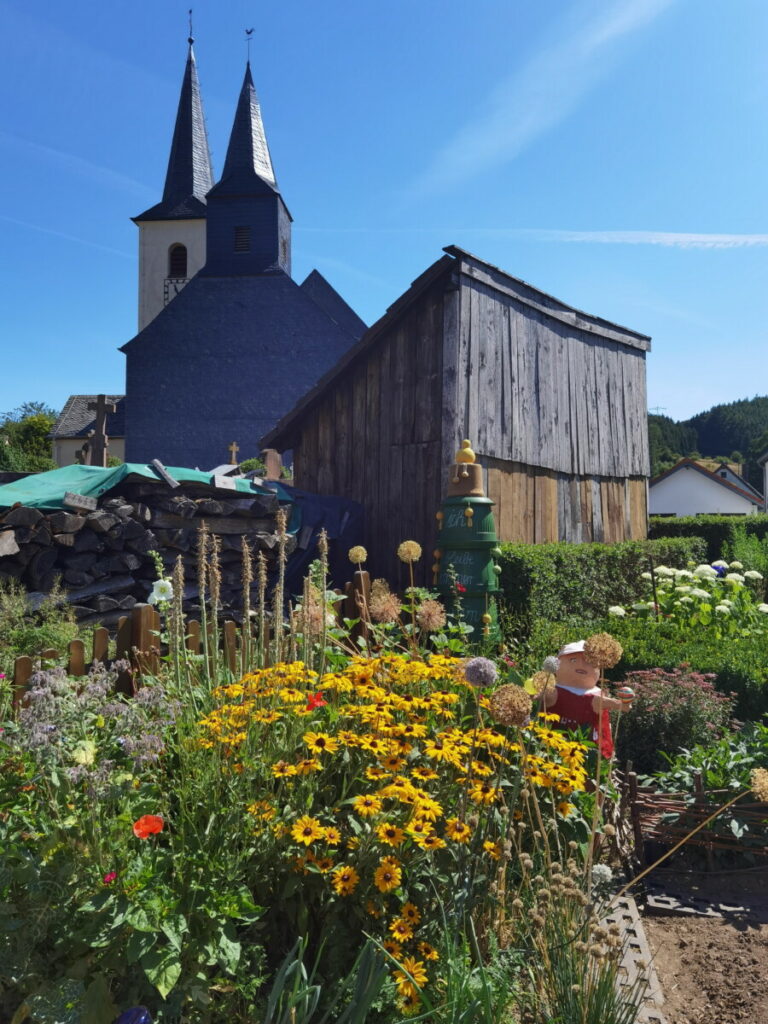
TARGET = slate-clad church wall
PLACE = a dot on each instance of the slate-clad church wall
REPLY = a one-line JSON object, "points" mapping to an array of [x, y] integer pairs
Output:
{"points": [[269, 236]]}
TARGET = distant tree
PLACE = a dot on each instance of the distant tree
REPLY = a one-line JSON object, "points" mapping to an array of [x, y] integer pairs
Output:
{"points": [[25, 446]]}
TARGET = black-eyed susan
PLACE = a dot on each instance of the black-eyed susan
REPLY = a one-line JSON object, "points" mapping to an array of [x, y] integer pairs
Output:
{"points": [[283, 770], [324, 864], [413, 967], [424, 774], [375, 772], [427, 951], [410, 912], [492, 849], [387, 876], [390, 834], [306, 830], [565, 808], [401, 930], [321, 743], [482, 792], [308, 765], [458, 831], [344, 880], [393, 947], [418, 828], [367, 805], [431, 842], [332, 835], [409, 1004]]}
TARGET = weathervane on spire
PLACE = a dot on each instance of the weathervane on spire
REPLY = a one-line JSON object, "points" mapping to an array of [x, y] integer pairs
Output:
{"points": [[191, 38], [248, 34]]}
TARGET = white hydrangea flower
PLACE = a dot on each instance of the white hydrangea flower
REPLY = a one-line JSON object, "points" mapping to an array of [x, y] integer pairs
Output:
{"points": [[722, 609], [684, 574], [617, 611], [734, 577], [664, 570], [684, 589], [705, 572], [685, 600], [735, 565], [753, 574], [703, 595], [727, 601], [720, 564], [645, 576], [641, 606], [763, 608]]}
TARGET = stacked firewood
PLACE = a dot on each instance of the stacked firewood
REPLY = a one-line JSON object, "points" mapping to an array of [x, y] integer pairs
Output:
{"points": [[103, 557]]}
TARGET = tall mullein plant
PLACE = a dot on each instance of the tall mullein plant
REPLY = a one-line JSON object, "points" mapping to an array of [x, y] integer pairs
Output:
{"points": [[278, 598], [261, 614], [322, 550], [246, 635], [214, 581], [202, 590], [177, 631]]}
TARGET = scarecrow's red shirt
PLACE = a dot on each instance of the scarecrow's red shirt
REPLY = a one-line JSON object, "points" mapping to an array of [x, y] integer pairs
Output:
{"points": [[575, 710]]}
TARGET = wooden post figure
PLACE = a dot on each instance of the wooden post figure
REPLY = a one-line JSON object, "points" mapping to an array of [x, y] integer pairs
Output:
{"points": [[234, 448], [577, 698], [99, 441], [83, 454]]}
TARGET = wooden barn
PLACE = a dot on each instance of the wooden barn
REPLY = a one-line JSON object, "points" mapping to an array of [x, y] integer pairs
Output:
{"points": [[553, 400]]}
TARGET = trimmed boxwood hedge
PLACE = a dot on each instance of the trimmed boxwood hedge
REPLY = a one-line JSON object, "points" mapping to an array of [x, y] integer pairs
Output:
{"points": [[717, 531], [740, 665], [554, 581]]}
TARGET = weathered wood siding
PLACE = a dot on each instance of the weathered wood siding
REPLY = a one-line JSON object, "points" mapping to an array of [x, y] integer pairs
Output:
{"points": [[534, 505], [542, 386], [375, 437]]}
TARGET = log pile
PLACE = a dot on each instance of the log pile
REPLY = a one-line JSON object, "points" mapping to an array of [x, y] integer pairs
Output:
{"points": [[102, 557]]}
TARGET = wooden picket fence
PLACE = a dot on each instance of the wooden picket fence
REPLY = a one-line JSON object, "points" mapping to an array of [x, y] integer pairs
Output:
{"points": [[137, 641]]}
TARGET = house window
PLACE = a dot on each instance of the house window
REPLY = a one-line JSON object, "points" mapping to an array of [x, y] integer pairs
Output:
{"points": [[723, 474], [177, 261], [243, 239]]}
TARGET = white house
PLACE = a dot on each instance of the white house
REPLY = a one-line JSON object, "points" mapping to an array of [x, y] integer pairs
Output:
{"points": [[763, 461], [688, 489]]}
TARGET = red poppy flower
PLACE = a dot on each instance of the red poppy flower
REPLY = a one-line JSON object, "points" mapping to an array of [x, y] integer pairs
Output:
{"points": [[461, 588], [316, 701], [109, 877], [148, 825]]}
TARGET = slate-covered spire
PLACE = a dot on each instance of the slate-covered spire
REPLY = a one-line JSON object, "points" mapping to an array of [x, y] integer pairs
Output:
{"points": [[248, 159], [248, 226], [190, 173]]}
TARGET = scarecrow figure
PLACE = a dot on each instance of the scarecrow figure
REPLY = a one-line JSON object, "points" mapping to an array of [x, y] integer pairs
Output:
{"points": [[578, 700]]}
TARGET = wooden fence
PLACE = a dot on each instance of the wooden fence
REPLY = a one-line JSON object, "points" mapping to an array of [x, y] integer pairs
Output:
{"points": [[137, 641]]}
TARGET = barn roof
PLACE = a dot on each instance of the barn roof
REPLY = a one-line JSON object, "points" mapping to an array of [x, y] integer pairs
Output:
{"points": [[76, 419], [457, 261], [190, 172]]}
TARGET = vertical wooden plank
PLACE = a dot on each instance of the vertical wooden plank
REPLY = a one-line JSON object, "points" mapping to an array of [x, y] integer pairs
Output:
{"points": [[452, 379], [230, 645], [22, 673], [370, 457], [192, 641], [142, 623], [598, 531], [100, 649], [76, 659], [123, 638], [49, 654]]}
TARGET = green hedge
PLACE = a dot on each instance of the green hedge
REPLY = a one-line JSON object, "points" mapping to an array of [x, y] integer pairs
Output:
{"points": [[718, 532], [740, 665], [553, 581]]}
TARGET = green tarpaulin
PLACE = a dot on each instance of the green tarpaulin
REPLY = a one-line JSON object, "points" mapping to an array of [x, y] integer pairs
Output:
{"points": [[47, 490]]}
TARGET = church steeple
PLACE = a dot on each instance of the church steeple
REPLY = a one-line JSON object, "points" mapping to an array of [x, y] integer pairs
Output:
{"points": [[248, 223], [190, 173], [172, 233]]}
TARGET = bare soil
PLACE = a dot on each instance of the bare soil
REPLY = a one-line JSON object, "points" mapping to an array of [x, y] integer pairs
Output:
{"points": [[715, 970]]}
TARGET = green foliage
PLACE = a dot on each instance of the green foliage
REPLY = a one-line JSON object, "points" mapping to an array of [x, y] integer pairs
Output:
{"points": [[672, 708], [24, 631], [253, 466], [668, 441], [555, 581], [24, 442], [751, 549], [718, 532]]}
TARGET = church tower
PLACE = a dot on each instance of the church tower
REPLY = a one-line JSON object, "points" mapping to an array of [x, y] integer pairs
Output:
{"points": [[172, 233], [248, 224]]}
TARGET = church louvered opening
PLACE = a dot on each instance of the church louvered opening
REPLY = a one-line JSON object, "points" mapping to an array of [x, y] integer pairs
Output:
{"points": [[243, 239], [177, 261]]}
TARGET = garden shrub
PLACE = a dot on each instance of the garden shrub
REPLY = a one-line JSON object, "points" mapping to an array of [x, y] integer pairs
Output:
{"points": [[740, 665], [750, 549], [24, 631], [718, 532], [672, 708], [554, 581]]}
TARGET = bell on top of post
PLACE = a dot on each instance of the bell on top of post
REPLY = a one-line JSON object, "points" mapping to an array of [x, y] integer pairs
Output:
{"points": [[467, 476]]}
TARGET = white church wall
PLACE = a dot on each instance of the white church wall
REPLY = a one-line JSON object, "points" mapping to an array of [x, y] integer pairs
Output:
{"points": [[155, 241], [687, 492]]}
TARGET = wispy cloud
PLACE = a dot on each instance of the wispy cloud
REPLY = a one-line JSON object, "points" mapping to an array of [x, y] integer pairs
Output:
{"points": [[540, 94], [77, 165], [670, 239], [65, 236]]}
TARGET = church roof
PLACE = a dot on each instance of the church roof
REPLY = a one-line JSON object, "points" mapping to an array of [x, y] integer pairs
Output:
{"points": [[248, 165], [190, 173], [329, 300], [76, 419]]}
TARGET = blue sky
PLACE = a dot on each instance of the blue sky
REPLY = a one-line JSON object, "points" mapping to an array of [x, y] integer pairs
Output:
{"points": [[611, 152]]}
